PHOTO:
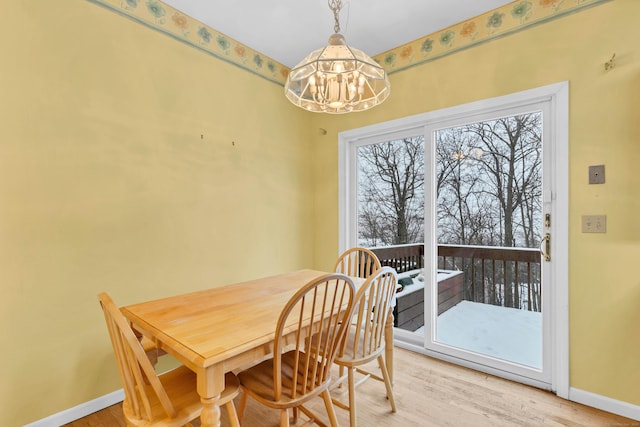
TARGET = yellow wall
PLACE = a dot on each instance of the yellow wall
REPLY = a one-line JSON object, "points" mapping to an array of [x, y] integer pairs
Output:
{"points": [[604, 129], [119, 173]]}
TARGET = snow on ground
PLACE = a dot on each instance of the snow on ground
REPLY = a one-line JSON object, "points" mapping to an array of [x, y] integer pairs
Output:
{"points": [[505, 333]]}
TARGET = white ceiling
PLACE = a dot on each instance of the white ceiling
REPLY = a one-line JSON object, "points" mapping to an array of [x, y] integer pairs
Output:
{"points": [[287, 30]]}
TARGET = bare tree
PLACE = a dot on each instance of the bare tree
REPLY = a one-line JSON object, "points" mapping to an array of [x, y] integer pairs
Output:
{"points": [[464, 216], [392, 191], [489, 177], [488, 180], [511, 166]]}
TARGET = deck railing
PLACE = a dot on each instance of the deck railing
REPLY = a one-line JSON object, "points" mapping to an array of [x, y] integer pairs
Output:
{"points": [[509, 277]]}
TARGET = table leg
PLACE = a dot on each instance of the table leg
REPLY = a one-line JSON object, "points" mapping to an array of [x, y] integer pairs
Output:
{"points": [[210, 416], [210, 385], [388, 342]]}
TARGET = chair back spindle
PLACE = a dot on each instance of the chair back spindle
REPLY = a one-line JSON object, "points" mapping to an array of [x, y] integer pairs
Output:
{"points": [[319, 309], [357, 262], [308, 335], [373, 302]]}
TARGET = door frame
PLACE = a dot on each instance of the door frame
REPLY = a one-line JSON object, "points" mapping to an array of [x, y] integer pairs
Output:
{"points": [[557, 95]]}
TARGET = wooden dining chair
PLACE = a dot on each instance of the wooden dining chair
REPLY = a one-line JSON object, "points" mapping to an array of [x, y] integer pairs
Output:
{"points": [[168, 399], [297, 371], [365, 340], [357, 262]]}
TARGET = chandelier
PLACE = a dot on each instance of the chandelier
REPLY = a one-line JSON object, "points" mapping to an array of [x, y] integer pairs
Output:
{"points": [[337, 78]]}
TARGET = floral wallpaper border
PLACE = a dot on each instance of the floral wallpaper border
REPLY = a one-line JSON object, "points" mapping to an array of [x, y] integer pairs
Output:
{"points": [[508, 19], [499, 22], [166, 19]]}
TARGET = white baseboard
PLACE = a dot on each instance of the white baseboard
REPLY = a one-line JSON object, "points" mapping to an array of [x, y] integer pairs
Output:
{"points": [[80, 411], [576, 395], [605, 403]]}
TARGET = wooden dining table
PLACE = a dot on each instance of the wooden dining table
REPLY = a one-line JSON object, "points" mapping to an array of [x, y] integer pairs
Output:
{"points": [[225, 328]]}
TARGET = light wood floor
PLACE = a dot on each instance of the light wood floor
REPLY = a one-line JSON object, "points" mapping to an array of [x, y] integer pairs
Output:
{"points": [[430, 392]]}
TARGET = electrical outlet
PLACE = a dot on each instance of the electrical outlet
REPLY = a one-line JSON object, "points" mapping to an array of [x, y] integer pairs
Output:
{"points": [[594, 223]]}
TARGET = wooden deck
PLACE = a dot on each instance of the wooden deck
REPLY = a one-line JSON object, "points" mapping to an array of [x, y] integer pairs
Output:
{"points": [[508, 277], [409, 310]]}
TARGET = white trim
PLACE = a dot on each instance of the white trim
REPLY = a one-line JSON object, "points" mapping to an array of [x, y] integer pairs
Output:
{"points": [[604, 403], [348, 143], [82, 410], [560, 246], [575, 395]]}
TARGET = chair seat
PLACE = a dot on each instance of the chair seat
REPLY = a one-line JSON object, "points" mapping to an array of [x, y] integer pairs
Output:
{"points": [[258, 382], [180, 385]]}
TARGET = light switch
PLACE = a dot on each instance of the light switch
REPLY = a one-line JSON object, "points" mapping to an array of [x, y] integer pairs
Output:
{"points": [[596, 174], [594, 223]]}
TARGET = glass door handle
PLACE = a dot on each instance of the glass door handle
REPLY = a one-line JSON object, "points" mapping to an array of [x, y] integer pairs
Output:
{"points": [[545, 247]]}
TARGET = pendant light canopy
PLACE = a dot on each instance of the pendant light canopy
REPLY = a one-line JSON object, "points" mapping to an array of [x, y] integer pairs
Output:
{"points": [[337, 78]]}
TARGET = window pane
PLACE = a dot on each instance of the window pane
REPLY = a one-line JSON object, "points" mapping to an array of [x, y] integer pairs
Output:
{"points": [[391, 192]]}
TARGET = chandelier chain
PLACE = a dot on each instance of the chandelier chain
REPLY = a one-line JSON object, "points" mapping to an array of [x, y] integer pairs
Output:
{"points": [[335, 6]]}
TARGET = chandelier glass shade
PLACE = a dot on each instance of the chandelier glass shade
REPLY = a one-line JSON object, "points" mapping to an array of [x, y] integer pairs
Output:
{"points": [[337, 79]]}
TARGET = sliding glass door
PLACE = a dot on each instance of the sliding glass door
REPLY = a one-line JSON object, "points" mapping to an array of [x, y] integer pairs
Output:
{"points": [[488, 216], [468, 204]]}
